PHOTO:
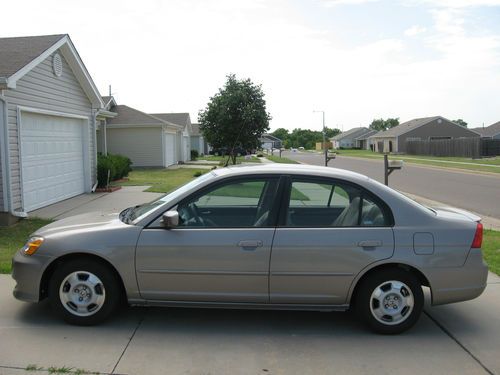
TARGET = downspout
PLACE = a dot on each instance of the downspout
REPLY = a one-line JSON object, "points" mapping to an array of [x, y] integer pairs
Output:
{"points": [[94, 138], [6, 175]]}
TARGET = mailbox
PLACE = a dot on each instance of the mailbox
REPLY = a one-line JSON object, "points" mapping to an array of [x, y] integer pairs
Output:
{"points": [[395, 164]]}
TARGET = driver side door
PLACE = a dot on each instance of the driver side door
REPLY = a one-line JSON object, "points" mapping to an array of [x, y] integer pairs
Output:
{"points": [[221, 249]]}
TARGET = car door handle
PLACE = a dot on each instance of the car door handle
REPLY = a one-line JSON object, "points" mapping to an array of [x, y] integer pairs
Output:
{"points": [[369, 244], [250, 244]]}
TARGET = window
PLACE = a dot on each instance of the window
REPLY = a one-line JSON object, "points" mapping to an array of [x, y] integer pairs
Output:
{"points": [[242, 203], [332, 204]]}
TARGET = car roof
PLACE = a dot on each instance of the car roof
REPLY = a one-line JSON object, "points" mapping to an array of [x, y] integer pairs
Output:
{"points": [[299, 169]]}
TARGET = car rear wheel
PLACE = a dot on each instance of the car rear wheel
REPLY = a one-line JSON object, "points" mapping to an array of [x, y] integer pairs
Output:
{"points": [[84, 292], [390, 301]]}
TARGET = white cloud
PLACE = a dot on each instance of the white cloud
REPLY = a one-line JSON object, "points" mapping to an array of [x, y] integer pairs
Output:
{"points": [[462, 3], [333, 3], [415, 30]]}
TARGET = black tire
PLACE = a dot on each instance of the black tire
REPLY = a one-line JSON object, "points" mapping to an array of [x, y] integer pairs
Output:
{"points": [[108, 289], [364, 302]]}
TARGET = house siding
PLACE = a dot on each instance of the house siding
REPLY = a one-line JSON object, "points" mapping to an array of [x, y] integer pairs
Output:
{"points": [[142, 145], [2, 119], [42, 89], [435, 129]]}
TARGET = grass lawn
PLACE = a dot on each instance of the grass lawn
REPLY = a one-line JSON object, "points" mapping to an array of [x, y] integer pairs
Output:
{"points": [[160, 180], [277, 159], [14, 237], [492, 164], [222, 159], [491, 250]]}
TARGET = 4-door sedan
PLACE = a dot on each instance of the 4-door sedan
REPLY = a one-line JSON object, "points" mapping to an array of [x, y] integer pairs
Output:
{"points": [[273, 236]]}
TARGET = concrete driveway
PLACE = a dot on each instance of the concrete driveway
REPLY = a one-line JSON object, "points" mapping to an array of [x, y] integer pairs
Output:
{"points": [[117, 201], [462, 338]]}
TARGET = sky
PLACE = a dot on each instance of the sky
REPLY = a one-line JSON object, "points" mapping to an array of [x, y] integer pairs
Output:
{"points": [[356, 60]]}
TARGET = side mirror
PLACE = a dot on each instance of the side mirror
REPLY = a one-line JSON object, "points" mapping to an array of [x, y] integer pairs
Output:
{"points": [[170, 219]]}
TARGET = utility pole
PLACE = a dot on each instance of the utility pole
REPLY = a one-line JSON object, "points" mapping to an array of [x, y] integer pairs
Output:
{"points": [[325, 149]]}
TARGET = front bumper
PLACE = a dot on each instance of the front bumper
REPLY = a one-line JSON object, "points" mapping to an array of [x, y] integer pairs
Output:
{"points": [[457, 284], [27, 271]]}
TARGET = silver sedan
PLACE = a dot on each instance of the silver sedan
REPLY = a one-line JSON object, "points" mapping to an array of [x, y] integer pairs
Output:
{"points": [[270, 237]]}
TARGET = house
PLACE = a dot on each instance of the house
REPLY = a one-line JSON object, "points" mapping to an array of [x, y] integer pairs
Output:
{"points": [[183, 136], [491, 132], [198, 142], [347, 139], [428, 128], [364, 142], [147, 140], [269, 142], [48, 109]]}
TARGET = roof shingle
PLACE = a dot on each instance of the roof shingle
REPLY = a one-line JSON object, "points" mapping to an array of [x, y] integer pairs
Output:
{"points": [[16, 53]]}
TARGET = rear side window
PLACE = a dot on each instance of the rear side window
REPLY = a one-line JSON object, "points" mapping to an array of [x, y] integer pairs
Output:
{"points": [[332, 204]]}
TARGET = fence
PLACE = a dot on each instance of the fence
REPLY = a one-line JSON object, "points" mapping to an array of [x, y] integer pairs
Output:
{"points": [[461, 147], [490, 147]]}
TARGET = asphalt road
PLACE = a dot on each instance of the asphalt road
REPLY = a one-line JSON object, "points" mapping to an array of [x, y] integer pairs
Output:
{"points": [[479, 193]]}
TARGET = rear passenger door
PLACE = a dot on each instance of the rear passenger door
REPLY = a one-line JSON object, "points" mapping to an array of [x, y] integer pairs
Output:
{"points": [[329, 231]]}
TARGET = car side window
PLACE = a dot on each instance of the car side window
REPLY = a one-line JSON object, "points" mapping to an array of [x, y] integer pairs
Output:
{"points": [[333, 204], [240, 203], [372, 214]]}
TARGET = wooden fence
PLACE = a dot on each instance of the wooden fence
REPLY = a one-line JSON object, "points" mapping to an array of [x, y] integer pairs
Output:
{"points": [[461, 147]]}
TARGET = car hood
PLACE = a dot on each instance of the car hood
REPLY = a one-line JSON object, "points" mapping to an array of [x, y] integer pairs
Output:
{"points": [[83, 222], [455, 213]]}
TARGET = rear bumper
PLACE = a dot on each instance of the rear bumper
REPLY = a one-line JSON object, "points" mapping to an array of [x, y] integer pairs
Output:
{"points": [[457, 284], [27, 271]]}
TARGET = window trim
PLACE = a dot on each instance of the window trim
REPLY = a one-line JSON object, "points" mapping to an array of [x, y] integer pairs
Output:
{"points": [[285, 201], [224, 181]]}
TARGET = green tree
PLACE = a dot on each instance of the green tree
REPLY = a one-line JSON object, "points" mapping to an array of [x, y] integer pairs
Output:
{"points": [[281, 133], [236, 116], [381, 124], [460, 122]]}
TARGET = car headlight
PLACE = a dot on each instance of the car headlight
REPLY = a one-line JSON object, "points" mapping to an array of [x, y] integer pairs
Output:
{"points": [[32, 245]]}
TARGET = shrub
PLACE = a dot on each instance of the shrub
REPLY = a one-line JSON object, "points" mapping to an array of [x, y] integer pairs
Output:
{"points": [[194, 154], [259, 155], [104, 164], [118, 166], [197, 174]]}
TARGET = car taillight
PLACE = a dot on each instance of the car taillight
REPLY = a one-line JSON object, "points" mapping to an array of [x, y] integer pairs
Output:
{"points": [[478, 237]]}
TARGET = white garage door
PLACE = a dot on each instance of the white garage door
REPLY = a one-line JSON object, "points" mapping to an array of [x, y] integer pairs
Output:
{"points": [[169, 149], [52, 159]]}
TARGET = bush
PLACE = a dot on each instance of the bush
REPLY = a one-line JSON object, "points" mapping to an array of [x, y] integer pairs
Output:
{"points": [[118, 166], [259, 155], [197, 174], [194, 154]]}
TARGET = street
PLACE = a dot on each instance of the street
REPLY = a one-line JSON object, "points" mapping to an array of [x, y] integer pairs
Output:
{"points": [[479, 193]]}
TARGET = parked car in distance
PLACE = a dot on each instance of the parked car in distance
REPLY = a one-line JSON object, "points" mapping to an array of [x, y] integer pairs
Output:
{"points": [[338, 240]]}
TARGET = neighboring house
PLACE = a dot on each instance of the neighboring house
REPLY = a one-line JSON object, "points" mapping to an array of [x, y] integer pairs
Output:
{"points": [[347, 139], [198, 142], [269, 142], [364, 142], [491, 132], [147, 140], [183, 136], [48, 109], [428, 128]]}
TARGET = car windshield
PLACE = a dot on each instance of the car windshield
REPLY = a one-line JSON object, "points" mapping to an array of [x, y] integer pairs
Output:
{"points": [[131, 214]]}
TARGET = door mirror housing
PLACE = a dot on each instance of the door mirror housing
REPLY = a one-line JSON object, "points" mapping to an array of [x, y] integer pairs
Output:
{"points": [[170, 219]]}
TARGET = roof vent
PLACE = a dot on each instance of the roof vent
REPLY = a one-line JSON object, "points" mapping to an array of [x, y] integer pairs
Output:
{"points": [[439, 121], [57, 65]]}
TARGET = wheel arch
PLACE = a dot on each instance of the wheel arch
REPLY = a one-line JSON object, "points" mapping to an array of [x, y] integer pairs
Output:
{"points": [[423, 280], [49, 271]]}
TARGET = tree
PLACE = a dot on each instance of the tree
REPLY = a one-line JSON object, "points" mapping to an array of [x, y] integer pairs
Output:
{"points": [[381, 124], [236, 116], [281, 133], [460, 122]]}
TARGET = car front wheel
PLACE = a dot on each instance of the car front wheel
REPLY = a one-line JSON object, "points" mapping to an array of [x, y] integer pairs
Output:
{"points": [[390, 301], [84, 292]]}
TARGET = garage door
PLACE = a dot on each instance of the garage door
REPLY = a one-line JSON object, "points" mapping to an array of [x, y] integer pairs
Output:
{"points": [[169, 149], [52, 159]]}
